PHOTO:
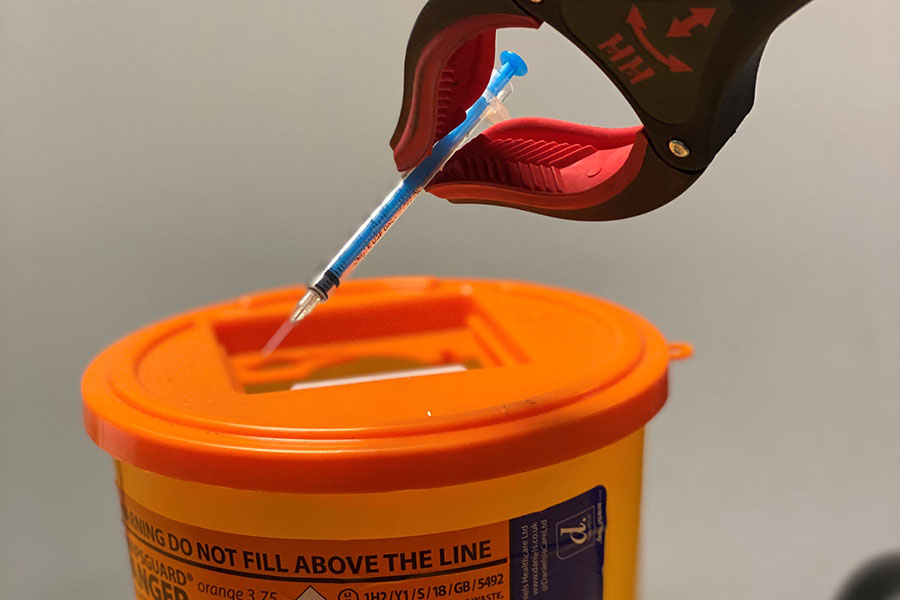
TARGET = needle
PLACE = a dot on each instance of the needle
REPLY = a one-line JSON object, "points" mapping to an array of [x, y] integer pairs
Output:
{"points": [[357, 247]]}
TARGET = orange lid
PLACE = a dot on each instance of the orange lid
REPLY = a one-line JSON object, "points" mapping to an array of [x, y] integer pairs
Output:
{"points": [[538, 376]]}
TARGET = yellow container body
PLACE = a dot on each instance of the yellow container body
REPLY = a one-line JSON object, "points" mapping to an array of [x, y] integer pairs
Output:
{"points": [[297, 521]]}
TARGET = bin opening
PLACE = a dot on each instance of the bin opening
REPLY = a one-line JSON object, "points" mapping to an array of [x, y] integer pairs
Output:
{"points": [[360, 371], [342, 344]]}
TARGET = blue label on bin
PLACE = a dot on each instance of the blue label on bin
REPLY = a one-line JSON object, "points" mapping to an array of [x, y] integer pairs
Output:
{"points": [[557, 553]]}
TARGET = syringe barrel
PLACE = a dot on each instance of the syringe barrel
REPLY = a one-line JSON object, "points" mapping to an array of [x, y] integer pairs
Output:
{"points": [[415, 180]]}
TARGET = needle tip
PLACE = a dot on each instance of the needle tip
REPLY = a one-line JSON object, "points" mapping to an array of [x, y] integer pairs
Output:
{"points": [[305, 306], [278, 338]]}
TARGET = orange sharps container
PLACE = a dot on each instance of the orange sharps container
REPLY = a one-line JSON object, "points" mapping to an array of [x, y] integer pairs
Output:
{"points": [[414, 439]]}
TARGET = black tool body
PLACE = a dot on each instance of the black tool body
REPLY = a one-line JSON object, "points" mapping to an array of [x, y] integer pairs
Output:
{"points": [[687, 68]]}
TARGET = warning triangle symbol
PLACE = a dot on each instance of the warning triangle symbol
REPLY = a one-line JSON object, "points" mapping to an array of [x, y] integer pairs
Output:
{"points": [[310, 593]]}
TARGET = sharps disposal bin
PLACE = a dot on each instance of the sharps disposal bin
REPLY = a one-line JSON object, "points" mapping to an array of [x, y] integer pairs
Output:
{"points": [[414, 439]]}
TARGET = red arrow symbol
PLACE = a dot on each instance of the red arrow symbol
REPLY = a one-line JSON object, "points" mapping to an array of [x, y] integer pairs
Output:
{"points": [[638, 25], [700, 17]]}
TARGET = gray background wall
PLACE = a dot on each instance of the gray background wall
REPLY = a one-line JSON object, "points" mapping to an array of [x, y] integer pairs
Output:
{"points": [[161, 154]]}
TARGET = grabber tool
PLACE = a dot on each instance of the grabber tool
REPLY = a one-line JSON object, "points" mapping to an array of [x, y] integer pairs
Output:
{"points": [[688, 69]]}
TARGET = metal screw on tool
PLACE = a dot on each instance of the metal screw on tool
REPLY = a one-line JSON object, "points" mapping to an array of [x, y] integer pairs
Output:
{"points": [[679, 148]]}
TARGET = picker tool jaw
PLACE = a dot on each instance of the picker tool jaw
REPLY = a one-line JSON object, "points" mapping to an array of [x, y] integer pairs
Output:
{"points": [[689, 73]]}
